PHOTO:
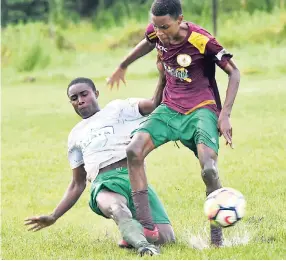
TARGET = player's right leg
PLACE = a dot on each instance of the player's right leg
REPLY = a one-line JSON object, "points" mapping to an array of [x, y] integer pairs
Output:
{"points": [[164, 232], [137, 150], [160, 218], [152, 133]]}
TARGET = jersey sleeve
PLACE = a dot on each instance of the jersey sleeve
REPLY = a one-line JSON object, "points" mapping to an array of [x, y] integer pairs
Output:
{"points": [[150, 34], [75, 156], [209, 46], [220, 55], [130, 109]]}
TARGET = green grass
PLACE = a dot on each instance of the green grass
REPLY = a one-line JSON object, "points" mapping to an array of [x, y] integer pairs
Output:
{"points": [[37, 117]]}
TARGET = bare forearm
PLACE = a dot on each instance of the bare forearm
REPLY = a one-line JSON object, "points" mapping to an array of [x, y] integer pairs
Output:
{"points": [[149, 105], [71, 196], [157, 97], [140, 50], [231, 92]]}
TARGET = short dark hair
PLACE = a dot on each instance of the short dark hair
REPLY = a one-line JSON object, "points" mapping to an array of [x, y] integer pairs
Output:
{"points": [[167, 7], [88, 81]]}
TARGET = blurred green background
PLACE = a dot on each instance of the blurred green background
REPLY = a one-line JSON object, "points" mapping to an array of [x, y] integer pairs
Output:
{"points": [[47, 35]]}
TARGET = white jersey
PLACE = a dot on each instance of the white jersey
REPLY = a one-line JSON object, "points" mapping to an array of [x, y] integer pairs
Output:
{"points": [[101, 139]]}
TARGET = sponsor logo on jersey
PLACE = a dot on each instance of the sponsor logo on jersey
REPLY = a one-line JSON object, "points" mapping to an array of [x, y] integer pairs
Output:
{"points": [[181, 73], [161, 48]]}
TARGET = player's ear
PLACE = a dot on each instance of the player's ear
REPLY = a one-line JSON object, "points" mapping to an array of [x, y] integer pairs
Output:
{"points": [[96, 94], [180, 19]]}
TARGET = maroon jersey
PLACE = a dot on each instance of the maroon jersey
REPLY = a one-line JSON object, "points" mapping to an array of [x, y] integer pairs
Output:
{"points": [[190, 69]]}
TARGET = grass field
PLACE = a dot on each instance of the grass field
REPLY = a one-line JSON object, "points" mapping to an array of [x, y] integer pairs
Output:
{"points": [[37, 117]]}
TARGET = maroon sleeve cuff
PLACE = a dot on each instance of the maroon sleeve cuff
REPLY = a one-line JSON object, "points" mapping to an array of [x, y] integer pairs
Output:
{"points": [[150, 34]]}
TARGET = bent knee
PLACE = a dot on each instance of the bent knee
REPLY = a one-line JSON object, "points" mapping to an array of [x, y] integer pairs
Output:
{"points": [[140, 146], [209, 172], [134, 152], [211, 178], [210, 175], [117, 208], [114, 210], [111, 203]]}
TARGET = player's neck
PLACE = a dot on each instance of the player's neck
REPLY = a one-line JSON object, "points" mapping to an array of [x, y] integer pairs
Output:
{"points": [[182, 34], [92, 114]]}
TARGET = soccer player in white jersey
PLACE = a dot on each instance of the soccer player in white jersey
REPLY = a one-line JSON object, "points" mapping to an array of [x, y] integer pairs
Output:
{"points": [[97, 153]]}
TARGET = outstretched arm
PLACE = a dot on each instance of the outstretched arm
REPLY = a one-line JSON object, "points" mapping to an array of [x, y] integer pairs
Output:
{"points": [[140, 50], [224, 117], [147, 106], [70, 197]]}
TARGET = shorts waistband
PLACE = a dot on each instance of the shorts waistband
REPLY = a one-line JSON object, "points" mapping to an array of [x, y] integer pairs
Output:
{"points": [[116, 165]]}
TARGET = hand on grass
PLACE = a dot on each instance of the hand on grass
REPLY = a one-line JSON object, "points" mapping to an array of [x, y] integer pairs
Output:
{"points": [[37, 223]]}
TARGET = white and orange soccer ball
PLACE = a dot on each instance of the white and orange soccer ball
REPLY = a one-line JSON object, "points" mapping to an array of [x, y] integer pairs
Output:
{"points": [[225, 206]]}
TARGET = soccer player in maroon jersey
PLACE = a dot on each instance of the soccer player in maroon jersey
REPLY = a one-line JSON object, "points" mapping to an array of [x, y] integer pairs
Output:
{"points": [[191, 110]]}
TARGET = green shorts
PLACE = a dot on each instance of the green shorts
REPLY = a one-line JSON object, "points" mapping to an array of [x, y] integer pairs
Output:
{"points": [[117, 180], [164, 124]]}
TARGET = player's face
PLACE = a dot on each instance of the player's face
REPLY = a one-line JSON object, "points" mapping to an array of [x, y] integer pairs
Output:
{"points": [[83, 99], [166, 27]]}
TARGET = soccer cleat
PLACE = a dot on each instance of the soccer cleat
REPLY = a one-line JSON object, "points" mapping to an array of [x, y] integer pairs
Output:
{"points": [[123, 244], [149, 250], [151, 235]]}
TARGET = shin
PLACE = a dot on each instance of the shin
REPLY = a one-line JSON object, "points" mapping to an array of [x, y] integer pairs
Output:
{"points": [[137, 150], [114, 206], [208, 161]]}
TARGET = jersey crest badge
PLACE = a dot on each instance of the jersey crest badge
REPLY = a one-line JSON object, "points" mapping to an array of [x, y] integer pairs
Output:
{"points": [[184, 60]]}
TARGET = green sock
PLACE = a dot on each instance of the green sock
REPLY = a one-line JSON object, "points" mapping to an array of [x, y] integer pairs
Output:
{"points": [[132, 232]]}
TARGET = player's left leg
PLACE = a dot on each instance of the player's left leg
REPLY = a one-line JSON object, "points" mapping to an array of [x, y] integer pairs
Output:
{"points": [[109, 198], [201, 136], [114, 206], [207, 144], [208, 162], [206, 139]]}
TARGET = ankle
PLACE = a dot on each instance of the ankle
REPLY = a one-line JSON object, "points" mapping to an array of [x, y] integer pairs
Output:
{"points": [[150, 227]]}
